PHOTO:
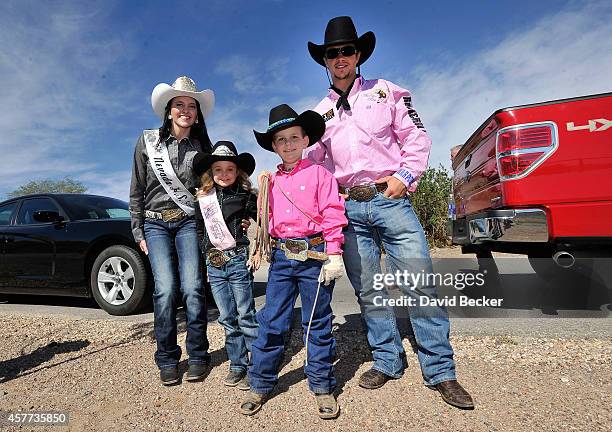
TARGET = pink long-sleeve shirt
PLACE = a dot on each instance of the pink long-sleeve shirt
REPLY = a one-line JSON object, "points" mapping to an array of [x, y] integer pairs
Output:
{"points": [[315, 191], [382, 135]]}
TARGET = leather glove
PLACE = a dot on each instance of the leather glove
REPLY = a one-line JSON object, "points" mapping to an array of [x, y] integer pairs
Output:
{"points": [[332, 269]]}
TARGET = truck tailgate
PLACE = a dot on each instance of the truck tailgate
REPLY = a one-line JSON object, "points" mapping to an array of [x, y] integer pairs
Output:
{"points": [[476, 182]]}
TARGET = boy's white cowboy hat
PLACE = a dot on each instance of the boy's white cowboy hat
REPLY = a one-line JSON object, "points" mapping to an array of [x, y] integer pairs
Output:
{"points": [[183, 86]]}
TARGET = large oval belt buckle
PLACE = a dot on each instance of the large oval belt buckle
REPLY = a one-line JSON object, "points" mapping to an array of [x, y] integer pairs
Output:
{"points": [[217, 258], [172, 215], [295, 249], [361, 193]]}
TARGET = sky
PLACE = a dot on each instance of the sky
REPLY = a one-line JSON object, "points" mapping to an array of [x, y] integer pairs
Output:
{"points": [[76, 77]]}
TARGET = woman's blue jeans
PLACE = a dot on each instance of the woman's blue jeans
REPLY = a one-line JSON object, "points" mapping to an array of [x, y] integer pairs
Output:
{"points": [[174, 255]]}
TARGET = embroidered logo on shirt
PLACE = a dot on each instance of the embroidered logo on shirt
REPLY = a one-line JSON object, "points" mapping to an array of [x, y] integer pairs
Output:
{"points": [[414, 116], [328, 115], [381, 95], [377, 95]]}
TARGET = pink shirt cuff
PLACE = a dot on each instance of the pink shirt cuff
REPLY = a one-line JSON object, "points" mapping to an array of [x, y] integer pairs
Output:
{"points": [[334, 248]]}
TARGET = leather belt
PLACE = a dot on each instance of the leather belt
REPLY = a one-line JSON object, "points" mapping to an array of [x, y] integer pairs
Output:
{"points": [[299, 249], [363, 192], [172, 215], [218, 257]]}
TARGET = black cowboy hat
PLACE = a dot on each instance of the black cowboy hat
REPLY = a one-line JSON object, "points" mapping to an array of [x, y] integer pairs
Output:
{"points": [[223, 151], [283, 116], [341, 30]]}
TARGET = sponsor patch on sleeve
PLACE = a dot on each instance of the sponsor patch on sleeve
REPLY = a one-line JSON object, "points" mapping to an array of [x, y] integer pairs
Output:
{"points": [[405, 174], [414, 116], [328, 115]]}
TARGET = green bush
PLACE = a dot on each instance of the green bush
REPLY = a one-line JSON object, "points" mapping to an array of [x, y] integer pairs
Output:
{"points": [[430, 202], [66, 185]]}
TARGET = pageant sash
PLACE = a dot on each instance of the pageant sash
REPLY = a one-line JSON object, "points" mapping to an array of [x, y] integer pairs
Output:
{"points": [[217, 230], [160, 161]]}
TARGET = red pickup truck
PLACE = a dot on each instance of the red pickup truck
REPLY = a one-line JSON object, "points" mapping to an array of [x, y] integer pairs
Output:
{"points": [[537, 180]]}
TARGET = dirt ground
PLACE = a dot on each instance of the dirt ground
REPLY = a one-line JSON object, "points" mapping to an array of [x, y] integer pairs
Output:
{"points": [[102, 373]]}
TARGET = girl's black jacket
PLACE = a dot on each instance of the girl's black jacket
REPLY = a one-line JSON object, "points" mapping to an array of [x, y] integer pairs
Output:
{"points": [[236, 204]]}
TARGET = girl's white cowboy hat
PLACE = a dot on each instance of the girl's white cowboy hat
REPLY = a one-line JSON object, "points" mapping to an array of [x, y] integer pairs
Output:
{"points": [[183, 86]]}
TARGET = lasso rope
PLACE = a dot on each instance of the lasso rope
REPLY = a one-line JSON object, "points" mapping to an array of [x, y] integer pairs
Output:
{"points": [[261, 246]]}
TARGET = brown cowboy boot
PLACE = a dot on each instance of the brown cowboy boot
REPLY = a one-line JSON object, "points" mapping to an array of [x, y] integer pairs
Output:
{"points": [[455, 395]]}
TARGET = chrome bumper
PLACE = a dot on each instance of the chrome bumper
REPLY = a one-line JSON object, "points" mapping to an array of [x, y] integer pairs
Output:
{"points": [[523, 225]]}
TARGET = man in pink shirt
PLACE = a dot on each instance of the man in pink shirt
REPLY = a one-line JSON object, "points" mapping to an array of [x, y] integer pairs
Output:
{"points": [[306, 220], [377, 148]]}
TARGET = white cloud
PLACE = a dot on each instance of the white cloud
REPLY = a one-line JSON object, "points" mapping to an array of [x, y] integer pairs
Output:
{"points": [[237, 121], [305, 103], [53, 67], [255, 76], [565, 54], [112, 184]]}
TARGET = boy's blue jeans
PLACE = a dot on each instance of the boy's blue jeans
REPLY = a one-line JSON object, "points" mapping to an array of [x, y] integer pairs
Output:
{"points": [[232, 288], [174, 255], [392, 223], [286, 279]]}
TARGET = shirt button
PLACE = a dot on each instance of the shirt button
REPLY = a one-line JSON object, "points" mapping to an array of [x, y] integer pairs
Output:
{"points": [[288, 211], [289, 229]]}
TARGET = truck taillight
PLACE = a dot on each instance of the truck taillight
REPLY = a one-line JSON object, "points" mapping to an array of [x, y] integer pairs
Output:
{"points": [[521, 148], [513, 165]]}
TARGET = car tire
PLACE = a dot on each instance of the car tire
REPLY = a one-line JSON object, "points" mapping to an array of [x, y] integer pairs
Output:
{"points": [[119, 280]]}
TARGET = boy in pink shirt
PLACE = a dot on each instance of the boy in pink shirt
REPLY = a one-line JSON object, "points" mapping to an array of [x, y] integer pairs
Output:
{"points": [[305, 225]]}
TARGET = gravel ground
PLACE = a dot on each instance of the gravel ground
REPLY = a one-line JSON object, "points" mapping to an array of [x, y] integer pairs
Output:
{"points": [[102, 373]]}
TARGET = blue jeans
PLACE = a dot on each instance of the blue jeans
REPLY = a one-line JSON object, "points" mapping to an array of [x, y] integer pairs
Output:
{"points": [[174, 255], [286, 279], [232, 288], [393, 224]]}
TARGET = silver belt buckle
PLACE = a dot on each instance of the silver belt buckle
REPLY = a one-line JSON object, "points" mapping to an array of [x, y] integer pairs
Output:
{"points": [[295, 249]]}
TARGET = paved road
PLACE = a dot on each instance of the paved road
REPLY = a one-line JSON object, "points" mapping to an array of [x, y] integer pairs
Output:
{"points": [[529, 305]]}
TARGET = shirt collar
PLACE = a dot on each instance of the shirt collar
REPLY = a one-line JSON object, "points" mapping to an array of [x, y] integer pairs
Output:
{"points": [[172, 137], [302, 163], [356, 87]]}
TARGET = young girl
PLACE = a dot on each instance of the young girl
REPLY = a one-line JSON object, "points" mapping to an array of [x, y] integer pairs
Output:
{"points": [[224, 200]]}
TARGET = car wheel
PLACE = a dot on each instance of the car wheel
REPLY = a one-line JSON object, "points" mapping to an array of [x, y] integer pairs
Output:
{"points": [[119, 280]]}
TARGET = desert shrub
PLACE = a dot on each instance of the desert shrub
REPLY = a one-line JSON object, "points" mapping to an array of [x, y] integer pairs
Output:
{"points": [[430, 202]]}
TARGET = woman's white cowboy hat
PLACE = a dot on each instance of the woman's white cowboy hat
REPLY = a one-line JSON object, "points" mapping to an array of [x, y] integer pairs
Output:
{"points": [[183, 86]]}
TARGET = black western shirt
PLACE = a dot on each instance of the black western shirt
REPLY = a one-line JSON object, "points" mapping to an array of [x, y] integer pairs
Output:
{"points": [[146, 192]]}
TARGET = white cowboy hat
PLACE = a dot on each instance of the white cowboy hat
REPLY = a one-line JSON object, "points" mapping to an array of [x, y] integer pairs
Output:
{"points": [[183, 86]]}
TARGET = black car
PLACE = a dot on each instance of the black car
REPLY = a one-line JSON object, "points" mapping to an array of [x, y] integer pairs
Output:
{"points": [[72, 245]]}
